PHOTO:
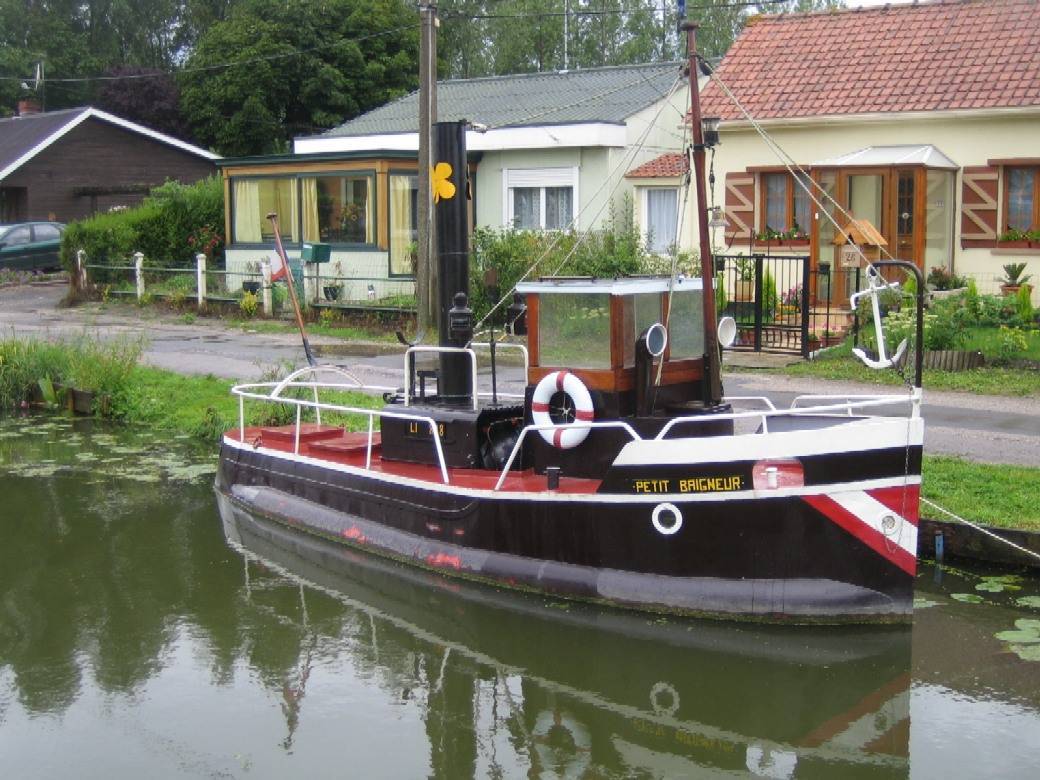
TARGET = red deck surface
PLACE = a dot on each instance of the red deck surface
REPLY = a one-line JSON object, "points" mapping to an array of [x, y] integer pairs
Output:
{"points": [[336, 445]]}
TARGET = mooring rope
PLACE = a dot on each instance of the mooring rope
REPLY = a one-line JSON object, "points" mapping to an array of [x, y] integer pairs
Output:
{"points": [[979, 528]]}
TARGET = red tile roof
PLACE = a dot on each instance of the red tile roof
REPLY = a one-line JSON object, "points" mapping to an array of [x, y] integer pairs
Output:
{"points": [[959, 54], [670, 164]]}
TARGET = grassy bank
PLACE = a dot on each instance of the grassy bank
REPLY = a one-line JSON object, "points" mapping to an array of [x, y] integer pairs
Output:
{"points": [[1002, 496], [839, 364]]}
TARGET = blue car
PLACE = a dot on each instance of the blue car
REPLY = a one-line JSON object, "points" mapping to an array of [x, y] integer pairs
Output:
{"points": [[30, 246]]}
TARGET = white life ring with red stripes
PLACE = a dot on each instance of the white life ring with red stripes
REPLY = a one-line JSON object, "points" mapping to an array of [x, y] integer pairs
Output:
{"points": [[568, 435]]}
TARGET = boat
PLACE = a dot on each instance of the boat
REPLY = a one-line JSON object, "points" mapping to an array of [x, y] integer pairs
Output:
{"points": [[623, 476]]}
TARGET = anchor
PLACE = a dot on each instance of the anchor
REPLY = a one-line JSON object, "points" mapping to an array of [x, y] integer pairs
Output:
{"points": [[876, 285]]}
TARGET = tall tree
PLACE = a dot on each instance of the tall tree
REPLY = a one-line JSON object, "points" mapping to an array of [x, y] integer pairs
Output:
{"points": [[275, 70], [144, 95]]}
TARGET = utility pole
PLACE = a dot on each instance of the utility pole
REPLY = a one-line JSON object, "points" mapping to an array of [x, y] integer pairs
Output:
{"points": [[424, 277]]}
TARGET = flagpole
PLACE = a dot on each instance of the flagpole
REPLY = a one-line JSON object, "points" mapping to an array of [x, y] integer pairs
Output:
{"points": [[292, 288]]}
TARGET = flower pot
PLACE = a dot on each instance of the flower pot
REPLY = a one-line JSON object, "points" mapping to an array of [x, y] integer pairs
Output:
{"points": [[251, 287], [331, 292], [81, 401], [1012, 289], [1022, 244]]}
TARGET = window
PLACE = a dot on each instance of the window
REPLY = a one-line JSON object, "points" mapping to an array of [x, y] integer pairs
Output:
{"points": [[661, 208], [539, 199], [404, 223], [1022, 204], [254, 199], [338, 209], [785, 203], [46, 233], [15, 236], [574, 330]]}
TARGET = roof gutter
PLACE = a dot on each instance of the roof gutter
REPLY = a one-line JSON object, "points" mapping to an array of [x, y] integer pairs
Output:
{"points": [[880, 117]]}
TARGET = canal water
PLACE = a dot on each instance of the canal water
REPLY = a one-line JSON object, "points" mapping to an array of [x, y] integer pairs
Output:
{"points": [[147, 631]]}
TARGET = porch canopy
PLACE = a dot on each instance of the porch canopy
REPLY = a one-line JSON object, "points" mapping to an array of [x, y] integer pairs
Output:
{"points": [[884, 156]]}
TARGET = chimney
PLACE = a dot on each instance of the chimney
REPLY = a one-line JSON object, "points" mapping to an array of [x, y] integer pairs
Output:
{"points": [[28, 106]]}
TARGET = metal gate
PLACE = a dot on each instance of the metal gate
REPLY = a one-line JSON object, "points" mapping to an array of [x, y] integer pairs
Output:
{"points": [[769, 297]]}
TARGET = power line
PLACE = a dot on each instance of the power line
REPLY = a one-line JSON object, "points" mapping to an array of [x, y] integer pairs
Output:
{"points": [[612, 11]]}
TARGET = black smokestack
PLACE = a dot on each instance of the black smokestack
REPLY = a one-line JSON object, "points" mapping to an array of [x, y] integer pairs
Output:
{"points": [[451, 216]]}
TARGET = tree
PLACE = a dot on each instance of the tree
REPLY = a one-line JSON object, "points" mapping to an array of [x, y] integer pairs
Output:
{"points": [[297, 68], [144, 95]]}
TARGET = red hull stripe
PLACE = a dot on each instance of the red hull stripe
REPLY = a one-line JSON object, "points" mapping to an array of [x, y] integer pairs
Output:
{"points": [[905, 502], [875, 540]]}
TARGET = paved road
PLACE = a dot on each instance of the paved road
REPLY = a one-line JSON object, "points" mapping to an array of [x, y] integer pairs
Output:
{"points": [[992, 429]]}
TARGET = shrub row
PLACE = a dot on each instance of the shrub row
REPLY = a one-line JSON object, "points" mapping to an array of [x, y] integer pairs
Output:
{"points": [[172, 225]]}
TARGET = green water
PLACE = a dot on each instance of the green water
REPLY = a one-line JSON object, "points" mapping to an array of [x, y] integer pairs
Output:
{"points": [[147, 631]]}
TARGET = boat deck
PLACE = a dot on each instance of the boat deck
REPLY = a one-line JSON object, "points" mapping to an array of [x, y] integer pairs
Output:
{"points": [[335, 444]]}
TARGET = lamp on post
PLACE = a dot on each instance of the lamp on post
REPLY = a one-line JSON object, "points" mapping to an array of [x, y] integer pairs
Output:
{"points": [[710, 130]]}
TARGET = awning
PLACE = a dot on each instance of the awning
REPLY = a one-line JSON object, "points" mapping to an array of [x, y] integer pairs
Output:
{"points": [[884, 156]]}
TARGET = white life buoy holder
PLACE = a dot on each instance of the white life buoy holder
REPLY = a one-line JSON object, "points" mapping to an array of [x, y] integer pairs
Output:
{"points": [[564, 436], [666, 518]]}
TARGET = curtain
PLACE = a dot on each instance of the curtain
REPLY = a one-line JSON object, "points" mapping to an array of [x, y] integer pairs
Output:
{"points": [[401, 235], [526, 205], [294, 212], [247, 212], [559, 205], [310, 209], [662, 215]]}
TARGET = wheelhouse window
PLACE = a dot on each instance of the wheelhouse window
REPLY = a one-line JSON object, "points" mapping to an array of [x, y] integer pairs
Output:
{"points": [[404, 223], [1022, 202], [338, 209], [786, 207], [661, 209], [574, 330], [254, 199], [540, 199]]}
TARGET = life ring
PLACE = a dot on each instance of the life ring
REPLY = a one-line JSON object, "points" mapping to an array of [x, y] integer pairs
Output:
{"points": [[560, 761], [570, 435]]}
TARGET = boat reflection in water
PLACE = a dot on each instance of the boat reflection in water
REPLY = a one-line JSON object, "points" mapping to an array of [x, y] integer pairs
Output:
{"points": [[577, 689]]}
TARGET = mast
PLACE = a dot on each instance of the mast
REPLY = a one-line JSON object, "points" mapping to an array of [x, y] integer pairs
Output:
{"points": [[712, 359]]}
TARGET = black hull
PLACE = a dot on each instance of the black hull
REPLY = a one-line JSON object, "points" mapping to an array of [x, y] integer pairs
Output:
{"points": [[770, 559]]}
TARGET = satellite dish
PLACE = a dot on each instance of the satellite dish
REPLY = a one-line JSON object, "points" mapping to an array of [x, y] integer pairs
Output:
{"points": [[727, 331]]}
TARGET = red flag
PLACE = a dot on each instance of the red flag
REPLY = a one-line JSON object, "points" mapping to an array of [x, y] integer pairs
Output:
{"points": [[278, 269]]}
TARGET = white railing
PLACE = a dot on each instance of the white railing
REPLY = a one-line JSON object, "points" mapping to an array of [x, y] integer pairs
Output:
{"points": [[437, 350], [275, 393]]}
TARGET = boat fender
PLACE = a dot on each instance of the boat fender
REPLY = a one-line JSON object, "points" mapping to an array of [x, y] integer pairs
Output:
{"points": [[667, 518], [664, 699], [563, 437], [551, 743]]}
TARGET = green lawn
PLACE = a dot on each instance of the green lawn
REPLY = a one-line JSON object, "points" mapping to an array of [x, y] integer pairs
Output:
{"points": [[1003, 496], [839, 363]]}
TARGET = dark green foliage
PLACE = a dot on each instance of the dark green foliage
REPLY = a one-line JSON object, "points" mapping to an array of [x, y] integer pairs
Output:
{"points": [[614, 251], [164, 227], [306, 66]]}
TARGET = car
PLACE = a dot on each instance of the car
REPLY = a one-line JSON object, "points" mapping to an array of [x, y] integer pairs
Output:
{"points": [[30, 246]]}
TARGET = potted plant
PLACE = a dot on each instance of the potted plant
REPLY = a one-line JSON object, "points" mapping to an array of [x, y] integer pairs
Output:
{"points": [[1014, 278], [1013, 238], [744, 288], [333, 289], [1034, 238], [252, 285]]}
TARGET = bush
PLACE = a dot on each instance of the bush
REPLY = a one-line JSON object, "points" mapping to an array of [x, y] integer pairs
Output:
{"points": [[614, 251], [170, 226], [1012, 342]]}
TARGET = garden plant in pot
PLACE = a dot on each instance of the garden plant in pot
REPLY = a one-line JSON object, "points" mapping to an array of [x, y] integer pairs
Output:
{"points": [[252, 285], [1014, 278]]}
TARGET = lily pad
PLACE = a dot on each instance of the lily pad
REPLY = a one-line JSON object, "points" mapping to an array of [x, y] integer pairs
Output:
{"points": [[1024, 637], [999, 584], [1029, 601], [1026, 652], [967, 598], [1028, 624]]}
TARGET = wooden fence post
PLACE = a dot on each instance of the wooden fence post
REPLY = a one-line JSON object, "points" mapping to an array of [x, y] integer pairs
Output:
{"points": [[200, 279], [265, 270], [81, 269], [139, 273]]}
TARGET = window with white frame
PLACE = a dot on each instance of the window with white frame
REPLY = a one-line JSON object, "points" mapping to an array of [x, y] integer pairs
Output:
{"points": [[539, 198], [660, 218]]}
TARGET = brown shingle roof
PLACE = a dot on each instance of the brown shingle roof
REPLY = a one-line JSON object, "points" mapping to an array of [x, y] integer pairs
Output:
{"points": [[669, 164], [935, 56]]}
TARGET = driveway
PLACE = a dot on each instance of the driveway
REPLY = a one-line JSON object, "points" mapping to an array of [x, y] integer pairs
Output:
{"points": [[992, 429]]}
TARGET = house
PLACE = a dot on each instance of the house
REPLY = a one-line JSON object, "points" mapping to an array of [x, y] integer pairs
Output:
{"points": [[549, 151], [66, 165], [923, 119]]}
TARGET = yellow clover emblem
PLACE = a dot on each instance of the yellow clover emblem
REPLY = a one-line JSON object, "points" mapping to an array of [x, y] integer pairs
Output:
{"points": [[440, 182]]}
